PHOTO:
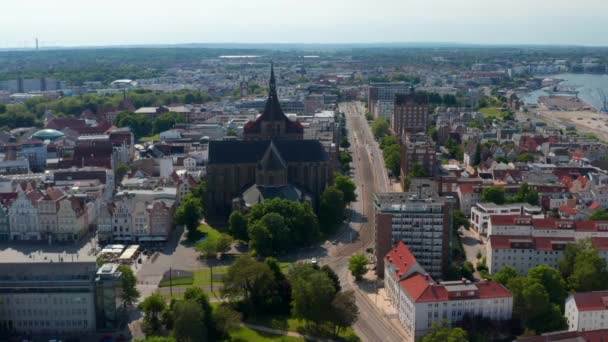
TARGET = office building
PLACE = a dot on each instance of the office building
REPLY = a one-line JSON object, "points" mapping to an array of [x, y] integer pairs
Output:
{"points": [[422, 220], [411, 113]]}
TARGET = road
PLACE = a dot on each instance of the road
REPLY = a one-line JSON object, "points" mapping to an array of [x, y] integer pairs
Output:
{"points": [[370, 176]]}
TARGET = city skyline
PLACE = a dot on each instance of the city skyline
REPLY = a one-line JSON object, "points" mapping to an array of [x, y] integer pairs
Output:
{"points": [[273, 21]]}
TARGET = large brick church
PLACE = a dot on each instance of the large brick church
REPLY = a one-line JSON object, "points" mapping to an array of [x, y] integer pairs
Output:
{"points": [[273, 160]]}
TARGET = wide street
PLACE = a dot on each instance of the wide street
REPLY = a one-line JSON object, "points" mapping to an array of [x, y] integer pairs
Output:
{"points": [[370, 176]]}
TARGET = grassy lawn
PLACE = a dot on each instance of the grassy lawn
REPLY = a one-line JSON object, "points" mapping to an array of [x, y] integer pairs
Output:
{"points": [[150, 138], [250, 335], [494, 112], [177, 282], [296, 325], [203, 277]]}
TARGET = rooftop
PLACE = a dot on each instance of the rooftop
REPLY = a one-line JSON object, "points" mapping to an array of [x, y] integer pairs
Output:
{"points": [[591, 301], [43, 253]]}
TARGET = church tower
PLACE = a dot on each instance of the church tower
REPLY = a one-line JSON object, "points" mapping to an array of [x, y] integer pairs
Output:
{"points": [[273, 123]]}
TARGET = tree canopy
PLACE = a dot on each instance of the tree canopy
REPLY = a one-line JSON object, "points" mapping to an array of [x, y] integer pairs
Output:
{"points": [[442, 332], [494, 194], [380, 128], [357, 265]]}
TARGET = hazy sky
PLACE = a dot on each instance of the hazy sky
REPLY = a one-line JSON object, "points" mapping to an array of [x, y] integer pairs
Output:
{"points": [[109, 22]]}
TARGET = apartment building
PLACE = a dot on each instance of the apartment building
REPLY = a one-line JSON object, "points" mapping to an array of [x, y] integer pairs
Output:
{"points": [[411, 113], [422, 220], [587, 311], [381, 98], [421, 301], [421, 150], [481, 212], [524, 242]]}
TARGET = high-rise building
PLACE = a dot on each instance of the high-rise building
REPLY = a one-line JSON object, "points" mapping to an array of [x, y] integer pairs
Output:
{"points": [[107, 283], [381, 98], [411, 113], [422, 220], [419, 149]]}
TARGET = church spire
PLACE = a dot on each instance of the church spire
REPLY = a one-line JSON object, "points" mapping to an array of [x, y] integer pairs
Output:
{"points": [[273, 82]]}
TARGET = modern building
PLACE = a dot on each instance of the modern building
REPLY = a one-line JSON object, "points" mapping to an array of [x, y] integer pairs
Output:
{"points": [[45, 290], [422, 220], [421, 301], [587, 311], [411, 114], [107, 284], [381, 98], [482, 211]]}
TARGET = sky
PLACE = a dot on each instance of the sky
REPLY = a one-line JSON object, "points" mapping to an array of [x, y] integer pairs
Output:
{"points": [[127, 22]]}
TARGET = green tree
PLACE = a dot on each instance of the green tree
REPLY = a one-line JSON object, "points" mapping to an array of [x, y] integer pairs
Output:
{"points": [[128, 285], [380, 128], [459, 219], [249, 281], [392, 159], [140, 124], [226, 319], [387, 141], [344, 311], [280, 238], [312, 294], [121, 171], [260, 239], [494, 194], [526, 194], [166, 121], [333, 276], [299, 218], [525, 158], [417, 171], [532, 306], [331, 209], [442, 332], [347, 186], [237, 225], [357, 265], [197, 295], [553, 282], [599, 215], [505, 274], [590, 273], [152, 308], [188, 322], [189, 213]]}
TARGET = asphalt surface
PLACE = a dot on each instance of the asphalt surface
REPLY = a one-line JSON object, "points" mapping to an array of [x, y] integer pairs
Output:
{"points": [[370, 176]]}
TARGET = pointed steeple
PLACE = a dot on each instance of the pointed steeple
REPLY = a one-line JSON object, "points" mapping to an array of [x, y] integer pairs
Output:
{"points": [[273, 107], [273, 82]]}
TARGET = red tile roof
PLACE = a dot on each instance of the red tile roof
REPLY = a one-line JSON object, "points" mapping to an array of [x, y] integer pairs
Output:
{"points": [[586, 336], [591, 301], [600, 243], [595, 205], [528, 242], [568, 210], [552, 223], [491, 289], [402, 258]]}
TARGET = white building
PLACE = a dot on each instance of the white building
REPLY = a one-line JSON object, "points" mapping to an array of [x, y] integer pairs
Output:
{"points": [[524, 242], [481, 212], [420, 301], [587, 311]]}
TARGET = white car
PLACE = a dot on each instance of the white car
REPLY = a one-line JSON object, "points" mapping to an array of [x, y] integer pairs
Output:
{"points": [[313, 261]]}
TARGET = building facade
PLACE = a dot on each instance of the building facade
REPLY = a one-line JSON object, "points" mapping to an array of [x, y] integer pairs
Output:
{"points": [[422, 221], [421, 301], [587, 311], [411, 113]]}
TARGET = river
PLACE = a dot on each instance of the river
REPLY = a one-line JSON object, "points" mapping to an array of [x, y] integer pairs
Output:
{"points": [[586, 84]]}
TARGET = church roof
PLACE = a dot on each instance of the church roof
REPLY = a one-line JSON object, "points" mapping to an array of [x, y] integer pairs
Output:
{"points": [[257, 193], [272, 160], [252, 151], [273, 111]]}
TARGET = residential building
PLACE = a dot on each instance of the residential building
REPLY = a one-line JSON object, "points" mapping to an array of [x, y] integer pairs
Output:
{"points": [[419, 149], [569, 336], [421, 220], [481, 212], [381, 98], [421, 301], [587, 311], [524, 242], [411, 114]]}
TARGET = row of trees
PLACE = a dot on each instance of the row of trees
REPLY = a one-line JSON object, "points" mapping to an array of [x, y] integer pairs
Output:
{"points": [[306, 292], [496, 194], [392, 154], [538, 298], [141, 125], [189, 319], [192, 209], [276, 226]]}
